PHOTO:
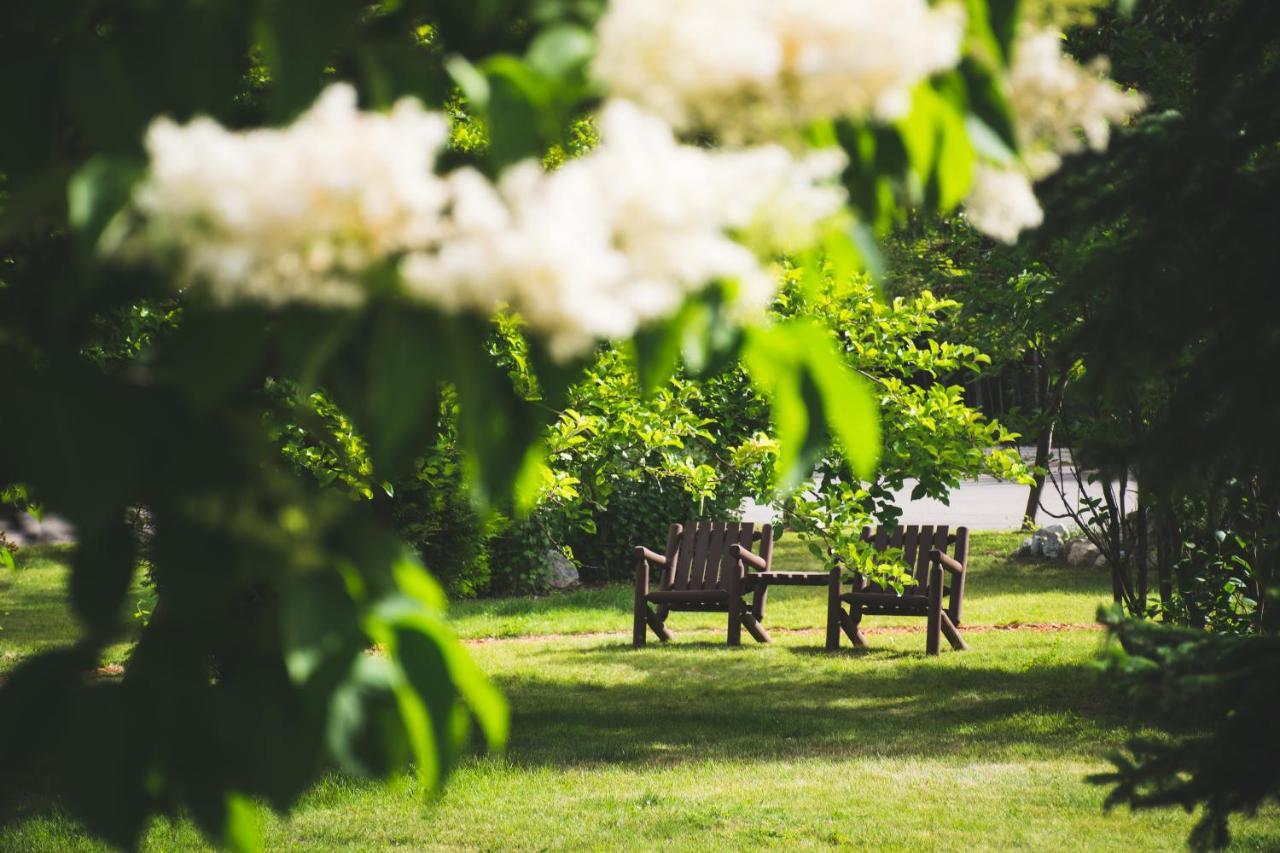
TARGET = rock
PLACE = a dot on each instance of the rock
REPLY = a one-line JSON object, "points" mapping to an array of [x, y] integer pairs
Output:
{"points": [[1101, 562], [1027, 549], [559, 572], [1047, 541], [1082, 552]]}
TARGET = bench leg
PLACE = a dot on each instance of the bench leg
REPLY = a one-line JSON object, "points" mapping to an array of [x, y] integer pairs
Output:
{"points": [[952, 634], [657, 625], [735, 619], [757, 601], [934, 627], [755, 628], [849, 623], [639, 622], [834, 611]]}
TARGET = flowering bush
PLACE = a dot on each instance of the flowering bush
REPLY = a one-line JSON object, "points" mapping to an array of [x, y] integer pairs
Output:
{"points": [[281, 169]]}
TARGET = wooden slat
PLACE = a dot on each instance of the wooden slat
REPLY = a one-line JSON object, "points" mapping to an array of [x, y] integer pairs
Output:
{"points": [[882, 538], [896, 536], [766, 543], [699, 561], [720, 564], [673, 547], [921, 561], [910, 543], [939, 542], [681, 580], [715, 553], [961, 552]]}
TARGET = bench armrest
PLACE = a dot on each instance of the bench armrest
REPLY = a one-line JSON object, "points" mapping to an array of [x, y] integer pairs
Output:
{"points": [[946, 561], [740, 553], [654, 557]]}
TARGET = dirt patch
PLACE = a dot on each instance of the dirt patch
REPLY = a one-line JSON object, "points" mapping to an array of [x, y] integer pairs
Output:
{"points": [[1033, 627]]}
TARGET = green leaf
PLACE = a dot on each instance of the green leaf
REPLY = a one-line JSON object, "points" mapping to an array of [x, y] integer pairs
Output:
{"points": [[954, 173], [471, 80], [986, 142], [516, 110], [365, 730], [984, 97], [496, 426], [560, 51], [243, 830], [214, 354], [319, 628], [96, 193], [299, 38], [401, 394], [849, 406], [415, 581], [1003, 17], [919, 129], [770, 358]]}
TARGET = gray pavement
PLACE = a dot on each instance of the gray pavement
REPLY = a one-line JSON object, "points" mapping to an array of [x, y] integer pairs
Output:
{"points": [[984, 503]]}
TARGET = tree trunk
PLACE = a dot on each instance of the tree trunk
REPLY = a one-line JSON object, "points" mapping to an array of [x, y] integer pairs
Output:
{"points": [[1050, 400], [1140, 552], [1165, 550]]}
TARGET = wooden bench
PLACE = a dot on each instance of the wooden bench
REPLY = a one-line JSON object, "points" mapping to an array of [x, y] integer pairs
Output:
{"points": [[710, 566], [936, 572]]}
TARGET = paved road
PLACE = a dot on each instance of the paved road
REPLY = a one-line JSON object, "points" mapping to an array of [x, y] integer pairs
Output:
{"points": [[982, 504]]}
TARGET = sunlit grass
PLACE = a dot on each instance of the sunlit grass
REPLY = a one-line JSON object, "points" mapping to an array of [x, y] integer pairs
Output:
{"points": [[695, 746]]}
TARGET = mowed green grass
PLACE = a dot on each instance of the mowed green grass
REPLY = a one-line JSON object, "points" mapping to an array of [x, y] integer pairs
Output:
{"points": [[694, 746]]}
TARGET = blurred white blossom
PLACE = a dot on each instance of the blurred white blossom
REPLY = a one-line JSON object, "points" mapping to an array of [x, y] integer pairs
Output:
{"points": [[1060, 106], [1002, 203], [585, 253], [622, 235], [747, 67], [297, 213]]}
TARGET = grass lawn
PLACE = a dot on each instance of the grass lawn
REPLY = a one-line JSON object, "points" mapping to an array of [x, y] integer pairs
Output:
{"points": [[697, 746]]}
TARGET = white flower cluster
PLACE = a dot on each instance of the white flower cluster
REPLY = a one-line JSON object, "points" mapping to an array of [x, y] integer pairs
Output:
{"points": [[277, 215], [588, 252], [1059, 107], [1002, 203], [746, 67], [623, 234]]}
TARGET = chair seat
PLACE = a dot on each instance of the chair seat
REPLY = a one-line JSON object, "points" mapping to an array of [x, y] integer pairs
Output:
{"points": [[687, 595], [884, 603]]}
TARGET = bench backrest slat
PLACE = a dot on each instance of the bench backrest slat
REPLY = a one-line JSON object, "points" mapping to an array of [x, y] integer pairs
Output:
{"points": [[698, 552], [916, 542]]}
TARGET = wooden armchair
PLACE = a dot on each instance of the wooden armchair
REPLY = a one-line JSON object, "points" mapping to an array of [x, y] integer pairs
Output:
{"points": [[936, 574], [704, 568]]}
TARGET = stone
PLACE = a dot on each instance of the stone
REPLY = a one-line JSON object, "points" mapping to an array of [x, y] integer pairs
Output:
{"points": [[1047, 541], [1082, 552], [1027, 549], [558, 571], [1101, 562]]}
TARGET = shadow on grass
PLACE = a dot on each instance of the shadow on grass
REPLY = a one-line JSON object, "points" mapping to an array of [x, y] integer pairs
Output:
{"points": [[684, 704]]}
